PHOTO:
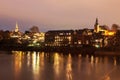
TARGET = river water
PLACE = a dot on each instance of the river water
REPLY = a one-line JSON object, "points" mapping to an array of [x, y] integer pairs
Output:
{"points": [[18, 65]]}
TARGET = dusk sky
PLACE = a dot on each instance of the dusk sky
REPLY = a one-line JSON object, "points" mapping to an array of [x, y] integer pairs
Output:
{"points": [[58, 14]]}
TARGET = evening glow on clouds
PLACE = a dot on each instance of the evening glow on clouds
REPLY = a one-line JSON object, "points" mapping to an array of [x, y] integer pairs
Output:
{"points": [[58, 14]]}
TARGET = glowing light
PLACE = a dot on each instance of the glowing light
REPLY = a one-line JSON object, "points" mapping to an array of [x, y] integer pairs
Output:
{"points": [[80, 55], [79, 61], [87, 56], [98, 29], [97, 46], [69, 38], [18, 62], [92, 59], [69, 68], [115, 62], [56, 63], [16, 28], [42, 59], [35, 65], [107, 78], [109, 33], [96, 60], [28, 59]]}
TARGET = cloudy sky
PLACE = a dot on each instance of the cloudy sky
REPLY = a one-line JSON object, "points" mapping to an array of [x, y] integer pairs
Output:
{"points": [[58, 14]]}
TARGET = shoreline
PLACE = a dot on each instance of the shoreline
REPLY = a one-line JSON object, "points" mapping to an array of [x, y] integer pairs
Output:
{"points": [[73, 50], [65, 50]]}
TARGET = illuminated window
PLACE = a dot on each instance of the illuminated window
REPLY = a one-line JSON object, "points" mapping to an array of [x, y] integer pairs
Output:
{"points": [[87, 42], [61, 34], [79, 42]]}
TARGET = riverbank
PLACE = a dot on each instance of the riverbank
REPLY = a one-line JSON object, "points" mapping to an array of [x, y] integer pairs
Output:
{"points": [[73, 50], [107, 53]]}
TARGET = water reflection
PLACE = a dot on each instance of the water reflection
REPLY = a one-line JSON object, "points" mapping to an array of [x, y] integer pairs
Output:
{"points": [[28, 59], [107, 78], [42, 55], [56, 63], [69, 68], [57, 66], [92, 60], [115, 61], [79, 61], [17, 63], [96, 60], [35, 65]]}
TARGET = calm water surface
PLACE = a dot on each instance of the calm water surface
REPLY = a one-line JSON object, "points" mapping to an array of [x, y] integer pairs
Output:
{"points": [[20, 65]]}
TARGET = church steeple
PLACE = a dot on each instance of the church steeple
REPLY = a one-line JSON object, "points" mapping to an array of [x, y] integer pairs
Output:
{"points": [[96, 22], [16, 27], [96, 26]]}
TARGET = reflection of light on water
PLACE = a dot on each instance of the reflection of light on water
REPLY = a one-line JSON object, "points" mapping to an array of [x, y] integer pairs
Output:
{"points": [[35, 65], [87, 56], [42, 59], [79, 61], [96, 60], [107, 78], [34, 61], [69, 68], [56, 58], [89, 64], [115, 62], [105, 60], [92, 60], [28, 59], [56, 63], [37, 61], [17, 62], [80, 55]]}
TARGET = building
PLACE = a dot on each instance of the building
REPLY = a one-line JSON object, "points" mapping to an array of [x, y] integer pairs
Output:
{"points": [[102, 35], [70, 38], [83, 37], [57, 38]]}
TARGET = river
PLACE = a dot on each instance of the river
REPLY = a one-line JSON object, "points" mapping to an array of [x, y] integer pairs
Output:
{"points": [[19, 65]]}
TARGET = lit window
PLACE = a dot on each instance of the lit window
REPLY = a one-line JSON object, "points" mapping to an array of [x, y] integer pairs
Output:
{"points": [[61, 34], [79, 42]]}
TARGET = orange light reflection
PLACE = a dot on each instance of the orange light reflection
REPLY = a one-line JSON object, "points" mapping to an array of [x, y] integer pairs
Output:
{"points": [[35, 65], [17, 62], [56, 63], [69, 68]]}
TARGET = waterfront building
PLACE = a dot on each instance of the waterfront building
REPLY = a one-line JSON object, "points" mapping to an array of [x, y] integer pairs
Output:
{"points": [[102, 35], [83, 37], [59, 38], [71, 38]]}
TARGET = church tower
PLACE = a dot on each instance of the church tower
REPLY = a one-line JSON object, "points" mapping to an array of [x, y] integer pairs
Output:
{"points": [[16, 27], [96, 26]]}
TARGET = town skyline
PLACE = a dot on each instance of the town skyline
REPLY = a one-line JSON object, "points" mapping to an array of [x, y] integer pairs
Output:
{"points": [[39, 28]]}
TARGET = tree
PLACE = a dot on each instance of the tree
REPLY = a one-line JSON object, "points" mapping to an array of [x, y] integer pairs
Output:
{"points": [[34, 29], [115, 27], [105, 27]]}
